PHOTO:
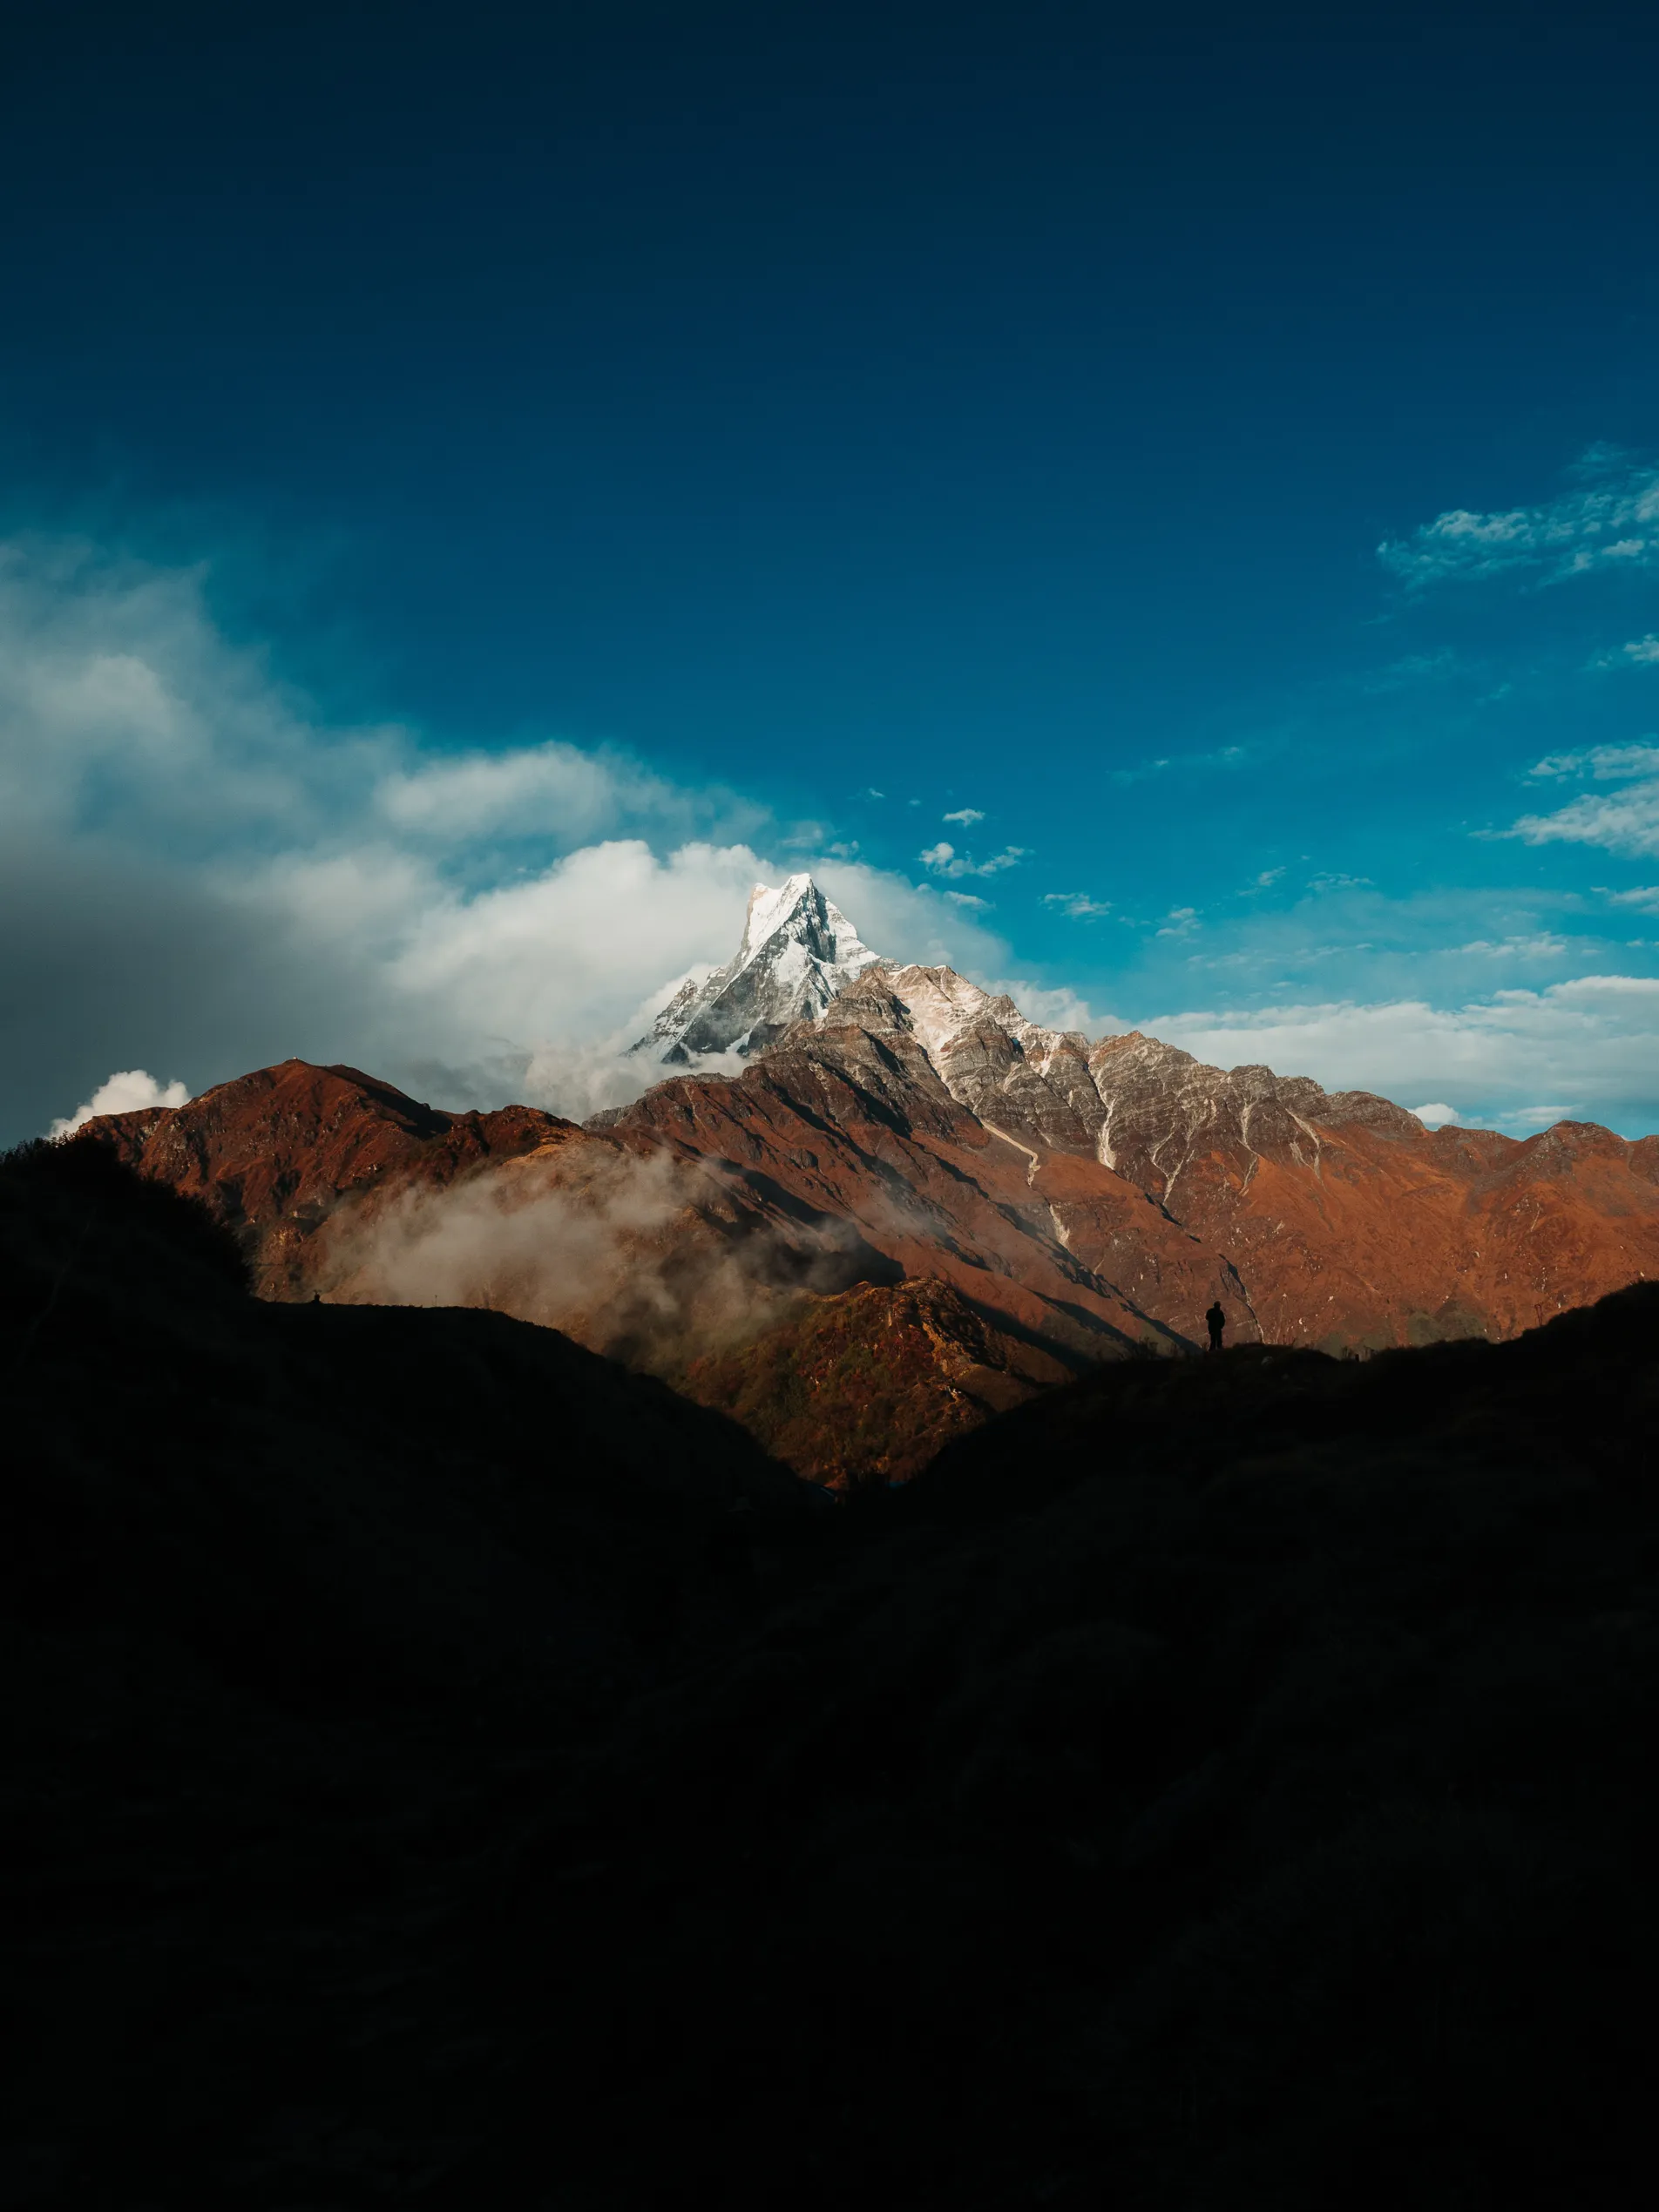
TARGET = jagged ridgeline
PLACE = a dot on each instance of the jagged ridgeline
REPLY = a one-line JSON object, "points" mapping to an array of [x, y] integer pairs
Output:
{"points": [[862, 1204]]}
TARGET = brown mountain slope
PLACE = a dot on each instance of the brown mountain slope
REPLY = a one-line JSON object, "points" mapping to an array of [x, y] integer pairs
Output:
{"points": [[1349, 1223], [274, 1153], [1081, 1201]]}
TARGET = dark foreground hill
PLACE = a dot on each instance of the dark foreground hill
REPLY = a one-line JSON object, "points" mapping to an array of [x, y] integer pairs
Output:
{"points": [[446, 1771]]}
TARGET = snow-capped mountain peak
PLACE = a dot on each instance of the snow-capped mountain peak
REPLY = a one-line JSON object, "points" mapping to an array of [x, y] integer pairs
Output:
{"points": [[798, 950]]}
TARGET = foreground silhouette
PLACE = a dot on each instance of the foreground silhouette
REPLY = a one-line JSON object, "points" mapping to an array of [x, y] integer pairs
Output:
{"points": [[445, 1770]]}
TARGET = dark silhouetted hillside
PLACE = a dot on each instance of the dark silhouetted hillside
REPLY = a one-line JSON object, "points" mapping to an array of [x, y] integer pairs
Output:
{"points": [[1217, 1783]]}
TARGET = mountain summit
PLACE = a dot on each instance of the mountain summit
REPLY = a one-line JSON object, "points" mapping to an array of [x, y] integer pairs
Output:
{"points": [[798, 953]]}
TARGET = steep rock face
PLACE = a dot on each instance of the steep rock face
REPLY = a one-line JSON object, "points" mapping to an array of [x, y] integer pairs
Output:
{"points": [[798, 950]]}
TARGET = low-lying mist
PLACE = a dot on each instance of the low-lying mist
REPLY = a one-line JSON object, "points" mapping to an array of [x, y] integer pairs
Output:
{"points": [[649, 1259]]}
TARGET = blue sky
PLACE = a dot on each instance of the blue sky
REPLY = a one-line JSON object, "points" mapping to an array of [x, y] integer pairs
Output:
{"points": [[1219, 457]]}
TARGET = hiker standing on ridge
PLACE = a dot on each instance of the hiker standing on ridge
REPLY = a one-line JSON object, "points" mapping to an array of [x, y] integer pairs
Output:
{"points": [[1217, 1319]]}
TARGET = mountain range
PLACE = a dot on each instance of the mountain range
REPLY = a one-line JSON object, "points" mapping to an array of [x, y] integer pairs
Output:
{"points": [[869, 1203]]}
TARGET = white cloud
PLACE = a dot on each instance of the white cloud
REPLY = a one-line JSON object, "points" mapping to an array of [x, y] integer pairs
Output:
{"points": [[1079, 904], [129, 1090], [1638, 652], [1335, 883], [1614, 517], [1589, 1042], [1644, 898], [1180, 921], [944, 859], [197, 870], [1434, 1117], [1619, 821], [1601, 763], [967, 815], [1542, 945]]}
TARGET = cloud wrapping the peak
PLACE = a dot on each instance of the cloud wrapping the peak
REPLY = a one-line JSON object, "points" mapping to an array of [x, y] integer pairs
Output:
{"points": [[199, 871]]}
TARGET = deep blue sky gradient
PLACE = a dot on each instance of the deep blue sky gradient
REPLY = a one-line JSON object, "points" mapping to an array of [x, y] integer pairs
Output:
{"points": [[979, 403]]}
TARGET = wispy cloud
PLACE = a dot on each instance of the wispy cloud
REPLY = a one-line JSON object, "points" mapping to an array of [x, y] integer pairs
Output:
{"points": [[1078, 905], [1637, 653], [1620, 822], [1410, 671], [967, 815], [1225, 756], [1542, 945], [1609, 521], [1180, 921], [944, 859], [1337, 882], [1602, 763]]}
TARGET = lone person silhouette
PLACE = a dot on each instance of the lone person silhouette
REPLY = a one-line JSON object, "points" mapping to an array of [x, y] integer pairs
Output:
{"points": [[1217, 1319]]}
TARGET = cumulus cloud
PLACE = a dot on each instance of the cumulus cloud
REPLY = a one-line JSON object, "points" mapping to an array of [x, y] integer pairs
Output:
{"points": [[1434, 1117], [1180, 921], [1609, 520], [199, 870], [1078, 905], [967, 815], [130, 1090]]}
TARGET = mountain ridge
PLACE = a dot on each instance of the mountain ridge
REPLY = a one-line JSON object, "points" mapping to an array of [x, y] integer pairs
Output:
{"points": [[1078, 1200]]}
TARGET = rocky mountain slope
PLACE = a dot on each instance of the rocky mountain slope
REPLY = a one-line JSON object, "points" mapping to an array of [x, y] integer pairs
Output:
{"points": [[894, 1125]]}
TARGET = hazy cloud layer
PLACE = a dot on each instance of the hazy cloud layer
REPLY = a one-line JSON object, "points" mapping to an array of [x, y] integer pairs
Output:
{"points": [[1585, 1046]]}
